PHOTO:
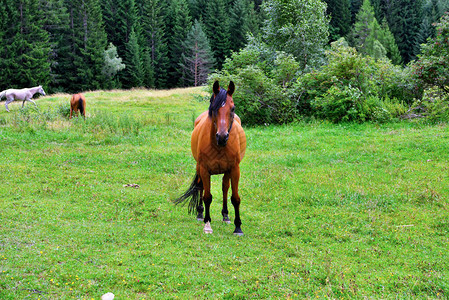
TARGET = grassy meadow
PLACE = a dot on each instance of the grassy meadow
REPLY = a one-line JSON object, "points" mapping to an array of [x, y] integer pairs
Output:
{"points": [[353, 211]]}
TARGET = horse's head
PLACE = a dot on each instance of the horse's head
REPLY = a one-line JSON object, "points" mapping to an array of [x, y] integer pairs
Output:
{"points": [[41, 90], [221, 111]]}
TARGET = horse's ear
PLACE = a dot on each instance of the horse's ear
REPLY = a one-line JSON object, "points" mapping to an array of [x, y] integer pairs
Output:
{"points": [[216, 87], [231, 88]]}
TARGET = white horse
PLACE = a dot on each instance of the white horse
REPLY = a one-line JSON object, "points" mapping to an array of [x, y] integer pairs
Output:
{"points": [[23, 94]]}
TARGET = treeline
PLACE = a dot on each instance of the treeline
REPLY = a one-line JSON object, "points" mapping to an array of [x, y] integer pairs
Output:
{"points": [[410, 22], [76, 45]]}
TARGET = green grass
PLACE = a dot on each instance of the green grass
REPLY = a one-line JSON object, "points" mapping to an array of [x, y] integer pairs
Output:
{"points": [[328, 211]]}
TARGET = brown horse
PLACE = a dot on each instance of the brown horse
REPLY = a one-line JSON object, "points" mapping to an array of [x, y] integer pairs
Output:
{"points": [[218, 145], [78, 102]]}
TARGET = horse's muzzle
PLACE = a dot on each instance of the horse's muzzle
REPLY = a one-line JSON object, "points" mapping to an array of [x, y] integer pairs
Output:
{"points": [[222, 139]]}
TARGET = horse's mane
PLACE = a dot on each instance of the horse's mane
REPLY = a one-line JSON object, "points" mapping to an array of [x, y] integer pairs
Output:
{"points": [[218, 102]]}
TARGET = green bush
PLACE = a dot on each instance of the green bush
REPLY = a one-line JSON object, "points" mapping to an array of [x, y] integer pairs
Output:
{"points": [[352, 87], [258, 99], [434, 106], [338, 104], [261, 95], [63, 110]]}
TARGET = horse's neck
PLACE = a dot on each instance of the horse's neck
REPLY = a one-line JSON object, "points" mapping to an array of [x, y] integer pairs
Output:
{"points": [[33, 90]]}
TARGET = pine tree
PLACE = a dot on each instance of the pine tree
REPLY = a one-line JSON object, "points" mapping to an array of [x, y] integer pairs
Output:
{"points": [[388, 41], [154, 43], [87, 42], [178, 25], [55, 20], [372, 39], [243, 20], [404, 20], [196, 8], [431, 12], [25, 46], [378, 12], [197, 59], [216, 23], [133, 61], [340, 18], [355, 7], [121, 18], [7, 31]]}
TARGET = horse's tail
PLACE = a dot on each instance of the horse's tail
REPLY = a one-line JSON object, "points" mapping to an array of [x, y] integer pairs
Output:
{"points": [[193, 192], [80, 106], [2, 94]]}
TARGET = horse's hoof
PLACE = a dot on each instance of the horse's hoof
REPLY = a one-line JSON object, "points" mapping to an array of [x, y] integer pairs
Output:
{"points": [[226, 220], [238, 232], [200, 217], [207, 228]]}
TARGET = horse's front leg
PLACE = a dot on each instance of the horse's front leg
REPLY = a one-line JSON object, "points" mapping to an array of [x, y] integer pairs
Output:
{"points": [[6, 105], [235, 199], [207, 199], [225, 188], [8, 101]]}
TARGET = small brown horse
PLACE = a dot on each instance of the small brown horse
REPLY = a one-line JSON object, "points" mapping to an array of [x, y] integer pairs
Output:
{"points": [[218, 145], [78, 102]]}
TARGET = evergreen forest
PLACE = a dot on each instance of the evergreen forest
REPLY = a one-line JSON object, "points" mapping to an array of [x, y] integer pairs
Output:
{"points": [[280, 47]]}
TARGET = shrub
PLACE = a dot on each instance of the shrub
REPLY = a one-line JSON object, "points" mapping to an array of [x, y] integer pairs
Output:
{"points": [[261, 96], [434, 106], [352, 87], [258, 99], [338, 104]]}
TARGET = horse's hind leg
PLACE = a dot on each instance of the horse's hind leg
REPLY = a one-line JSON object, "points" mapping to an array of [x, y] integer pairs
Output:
{"points": [[200, 208], [235, 199], [225, 188]]}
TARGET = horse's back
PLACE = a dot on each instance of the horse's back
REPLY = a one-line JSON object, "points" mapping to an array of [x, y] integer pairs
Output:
{"points": [[197, 131], [18, 94], [242, 138], [76, 97], [200, 117]]}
